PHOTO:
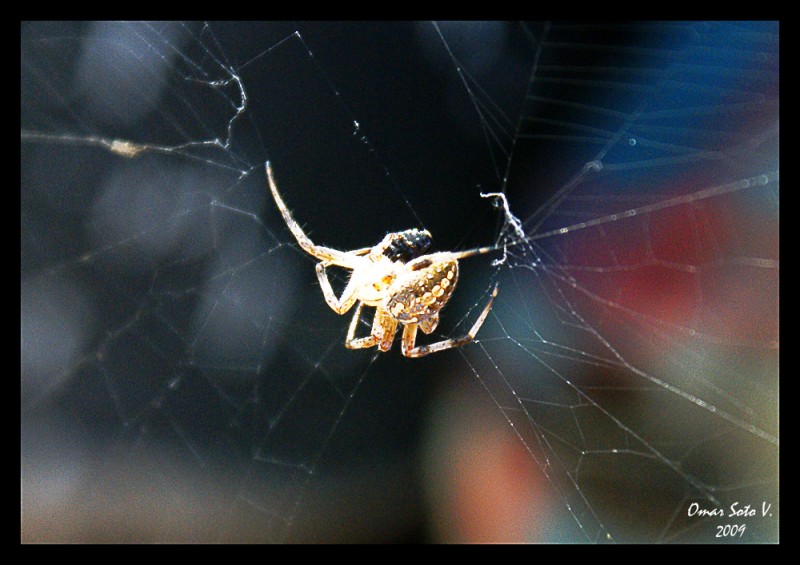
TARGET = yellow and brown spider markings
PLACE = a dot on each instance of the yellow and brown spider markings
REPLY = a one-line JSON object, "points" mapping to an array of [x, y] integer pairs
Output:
{"points": [[420, 298]]}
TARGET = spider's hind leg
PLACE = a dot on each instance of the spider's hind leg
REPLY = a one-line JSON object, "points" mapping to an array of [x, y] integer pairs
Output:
{"points": [[429, 324], [410, 335], [382, 334]]}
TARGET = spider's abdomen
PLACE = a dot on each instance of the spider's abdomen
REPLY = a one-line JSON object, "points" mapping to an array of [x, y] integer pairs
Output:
{"points": [[421, 296]]}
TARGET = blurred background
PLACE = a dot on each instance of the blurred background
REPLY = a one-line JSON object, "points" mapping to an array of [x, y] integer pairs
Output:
{"points": [[183, 379]]}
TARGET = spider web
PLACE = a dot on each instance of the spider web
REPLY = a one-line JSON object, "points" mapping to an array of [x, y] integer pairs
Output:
{"points": [[184, 380]]}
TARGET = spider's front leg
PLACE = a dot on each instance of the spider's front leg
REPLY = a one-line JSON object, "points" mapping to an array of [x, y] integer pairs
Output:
{"points": [[322, 253], [348, 298]]}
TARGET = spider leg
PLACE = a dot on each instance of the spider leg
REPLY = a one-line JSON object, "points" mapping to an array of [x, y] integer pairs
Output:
{"points": [[410, 335], [429, 324], [388, 327], [348, 298], [351, 342], [340, 258], [382, 334]]}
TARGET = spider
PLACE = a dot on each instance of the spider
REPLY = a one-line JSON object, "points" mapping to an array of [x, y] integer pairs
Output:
{"points": [[405, 286]]}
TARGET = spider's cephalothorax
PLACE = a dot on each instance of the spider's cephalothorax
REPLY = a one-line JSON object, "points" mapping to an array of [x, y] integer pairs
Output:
{"points": [[404, 285], [407, 245]]}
